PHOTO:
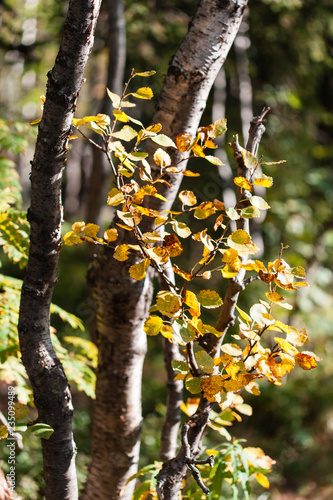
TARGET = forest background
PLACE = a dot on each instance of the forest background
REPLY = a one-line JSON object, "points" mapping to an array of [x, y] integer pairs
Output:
{"points": [[282, 57]]}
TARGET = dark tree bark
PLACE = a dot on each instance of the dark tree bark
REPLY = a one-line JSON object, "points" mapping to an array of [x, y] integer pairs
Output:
{"points": [[50, 387], [121, 303]]}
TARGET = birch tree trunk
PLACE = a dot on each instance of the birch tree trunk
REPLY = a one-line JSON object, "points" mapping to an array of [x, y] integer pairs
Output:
{"points": [[50, 387], [121, 303]]}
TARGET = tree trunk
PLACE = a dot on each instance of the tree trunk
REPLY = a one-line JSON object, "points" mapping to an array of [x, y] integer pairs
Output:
{"points": [[121, 303], [51, 390]]}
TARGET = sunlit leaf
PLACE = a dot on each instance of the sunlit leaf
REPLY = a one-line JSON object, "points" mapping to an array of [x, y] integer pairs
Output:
{"points": [[189, 298], [183, 274], [232, 213], [168, 303], [161, 158], [115, 98], [127, 133], [204, 210], [250, 161], [250, 212], [189, 173], [143, 93], [121, 252], [232, 349], [214, 160], [138, 271], [181, 229], [173, 245], [190, 407], [218, 128], [305, 361], [286, 346], [153, 325], [205, 239], [243, 183], [198, 151], [240, 240], [264, 181], [212, 329], [164, 140], [91, 230], [71, 238], [262, 480], [259, 202], [183, 142], [146, 73], [192, 384], [274, 297], [78, 227], [211, 386], [209, 299], [187, 198], [120, 115], [280, 369]]}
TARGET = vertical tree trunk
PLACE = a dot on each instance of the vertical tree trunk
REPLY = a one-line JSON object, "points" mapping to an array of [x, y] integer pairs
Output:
{"points": [[121, 303], [51, 390]]}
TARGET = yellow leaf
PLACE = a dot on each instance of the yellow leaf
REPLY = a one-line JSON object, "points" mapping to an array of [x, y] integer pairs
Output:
{"points": [[198, 151], [213, 330], [78, 227], [168, 303], [153, 325], [138, 271], [173, 245], [214, 160], [189, 173], [264, 181], [187, 198], [38, 120], [262, 479], [209, 299], [183, 274], [204, 210], [120, 115], [211, 386], [230, 256], [296, 337], [243, 183], [143, 93], [274, 297], [231, 349], [183, 142], [91, 230], [121, 252], [71, 238], [286, 346], [111, 234], [229, 271], [167, 331], [240, 240], [305, 361], [190, 300], [190, 407], [279, 370]]}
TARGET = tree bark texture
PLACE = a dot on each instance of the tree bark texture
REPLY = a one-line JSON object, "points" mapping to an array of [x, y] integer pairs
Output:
{"points": [[50, 387], [121, 303]]}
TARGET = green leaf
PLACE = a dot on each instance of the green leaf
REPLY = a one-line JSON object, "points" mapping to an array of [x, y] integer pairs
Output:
{"points": [[250, 212], [218, 128], [180, 366], [192, 384], [205, 362], [41, 430], [185, 331], [250, 161], [240, 240]]}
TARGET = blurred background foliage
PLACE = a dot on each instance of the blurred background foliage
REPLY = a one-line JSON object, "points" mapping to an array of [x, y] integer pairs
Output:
{"points": [[282, 58]]}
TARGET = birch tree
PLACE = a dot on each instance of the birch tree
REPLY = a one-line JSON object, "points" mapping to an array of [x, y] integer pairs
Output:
{"points": [[50, 386], [121, 303]]}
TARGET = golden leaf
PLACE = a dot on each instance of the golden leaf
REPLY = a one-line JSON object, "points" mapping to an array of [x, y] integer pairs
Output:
{"points": [[198, 150], [190, 300], [279, 370], [111, 234], [305, 361], [71, 239], [243, 183], [161, 158], [138, 271], [211, 386], [121, 252], [168, 303], [189, 173], [183, 142], [262, 479], [153, 325], [183, 274], [173, 245], [204, 210]]}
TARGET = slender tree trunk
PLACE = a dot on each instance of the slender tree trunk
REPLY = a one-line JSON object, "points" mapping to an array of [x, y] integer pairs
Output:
{"points": [[121, 303], [51, 390]]}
